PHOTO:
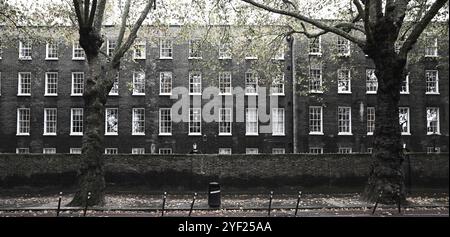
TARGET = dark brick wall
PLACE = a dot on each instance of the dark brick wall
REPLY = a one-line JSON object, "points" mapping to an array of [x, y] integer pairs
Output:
{"points": [[232, 171]]}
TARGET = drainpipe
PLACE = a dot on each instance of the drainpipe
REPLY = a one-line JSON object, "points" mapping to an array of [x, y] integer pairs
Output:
{"points": [[294, 95]]}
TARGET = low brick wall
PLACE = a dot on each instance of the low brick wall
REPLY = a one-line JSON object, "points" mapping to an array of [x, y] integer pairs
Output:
{"points": [[232, 171]]}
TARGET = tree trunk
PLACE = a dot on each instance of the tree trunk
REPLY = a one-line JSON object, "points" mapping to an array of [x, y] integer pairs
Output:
{"points": [[386, 178]]}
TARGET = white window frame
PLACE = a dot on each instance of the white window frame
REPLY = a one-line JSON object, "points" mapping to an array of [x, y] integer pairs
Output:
{"points": [[161, 122], [137, 122], [225, 122], [370, 83], [111, 151], [312, 80], [115, 88], [20, 85], [165, 46], [406, 91], [345, 150], [313, 109], [342, 78], [278, 151], [75, 150], [341, 43], [109, 48], [251, 79], [225, 50], [408, 124], [225, 87], [47, 122], [109, 130], [277, 84], [165, 83], [371, 118], [195, 122], [23, 150], [165, 151], [192, 47], [25, 45], [50, 150], [23, 125], [141, 83], [315, 150], [433, 48], [313, 41], [72, 132], [438, 124], [47, 83], [76, 90], [194, 83], [248, 131], [433, 150], [436, 82], [251, 151], [78, 52], [48, 49], [278, 124], [142, 46], [225, 151], [349, 132], [137, 150]]}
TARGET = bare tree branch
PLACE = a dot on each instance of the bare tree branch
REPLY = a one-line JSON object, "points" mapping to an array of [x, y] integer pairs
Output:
{"points": [[360, 9], [420, 27], [98, 21], [86, 11], [123, 24], [76, 4], [92, 13]]}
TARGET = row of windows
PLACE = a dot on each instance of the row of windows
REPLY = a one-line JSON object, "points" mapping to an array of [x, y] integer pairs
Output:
{"points": [[139, 50], [343, 46], [345, 120], [138, 85], [138, 121], [344, 81], [348, 150]]}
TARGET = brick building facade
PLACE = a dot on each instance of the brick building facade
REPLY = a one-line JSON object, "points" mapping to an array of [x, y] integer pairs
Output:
{"points": [[41, 102]]}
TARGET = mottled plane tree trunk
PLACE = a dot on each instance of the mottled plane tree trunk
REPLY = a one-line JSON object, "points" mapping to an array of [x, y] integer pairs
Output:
{"points": [[379, 23], [102, 71]]}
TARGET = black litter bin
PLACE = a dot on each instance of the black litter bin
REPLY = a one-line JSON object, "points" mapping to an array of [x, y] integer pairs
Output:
{"points": [[214, 195]]}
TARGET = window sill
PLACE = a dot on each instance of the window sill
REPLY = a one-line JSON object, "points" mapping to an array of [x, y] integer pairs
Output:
{"points": [[316, 92], [371, 93], [316, 133], [49, 134], [251, 58], [78, 59], [430, 133], [76, 95], [51, 95], [165, 134], [140, 94], [345, 134], [76, 134], [252, 134], [225, 134], [137, 134], [404, 93], [22, 134], [315, 54], [277, 94], [345, 92], [280, 59], [370, 134], [406, 134], [25, 59], [431, 56], [23, 94], [113, 94], [195, 58], [165, 58], [51, 59], [194, 134], [111, 134], [165, 94], [139, 58], [278, 135], [431, 93]]}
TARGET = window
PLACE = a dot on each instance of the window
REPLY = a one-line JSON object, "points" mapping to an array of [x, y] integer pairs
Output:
{"points": [[78, 52], [195, 83], [344, 82], [195, 121], [76, 122], [165, 121], [110, 46], [25, 50], [315, 47], [315, 150], [251, 121], [51, 84], [115, 88], [23, 122], [369, 150], [138, 83], [165, 151], [51, 51], [224, 151], [279, 53], [315, 120], [24, 86], [225, 119], [49, 151], [75, 151], [432, 82], [225, 83], [344, 121], [403, 114], [251, 83], [277, 122], [278, 151], [22, 150], [50, 121], [404, 89], [165, 83], [139, 51], [77, 83], [137, 151], [278, 85], [138, 121], [343, 46], [165, 49], [111, 121], [195, 49], [433, 149], [431, 47], [111, 151], [224, 50], [315, 80], [371, 82], [345, 150], [433, 126], [251, 151], [370, 120]]}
